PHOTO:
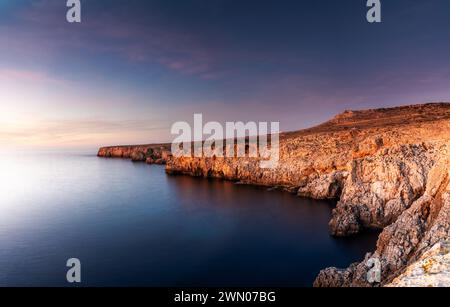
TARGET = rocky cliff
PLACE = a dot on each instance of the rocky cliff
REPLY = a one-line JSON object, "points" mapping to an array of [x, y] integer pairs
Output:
{"points": [[431, 270], [421, 225], [152, 154], [388, 169]]}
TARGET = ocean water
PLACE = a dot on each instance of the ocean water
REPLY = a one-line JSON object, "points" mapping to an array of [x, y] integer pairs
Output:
{"points": [[132, 225]]}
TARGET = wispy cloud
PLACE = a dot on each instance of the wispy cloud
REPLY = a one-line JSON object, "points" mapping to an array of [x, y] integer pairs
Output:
{"points": [[66, 131], [19, 75], [40, 29], [143, 38]]}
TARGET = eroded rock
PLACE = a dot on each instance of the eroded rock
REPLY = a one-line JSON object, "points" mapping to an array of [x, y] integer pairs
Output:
{"points": [[425, 223], [431, 270], [152, 154], [388, 168]]}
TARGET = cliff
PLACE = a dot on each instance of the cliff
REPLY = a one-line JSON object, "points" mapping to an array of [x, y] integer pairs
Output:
{"points": [[423, 224], [151, 154], [431, 270], [389, 169]]}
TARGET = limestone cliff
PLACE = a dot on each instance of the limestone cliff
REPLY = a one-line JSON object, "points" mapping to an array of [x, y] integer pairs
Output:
{"points": [[419, 227], [152, 154], [376, 162], [387, 167], [431, 270]]}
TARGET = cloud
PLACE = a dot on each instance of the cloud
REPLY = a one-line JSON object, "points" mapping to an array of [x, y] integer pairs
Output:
{"points": [[40, 30], [139, 37], [66, 131], [18, 75]]}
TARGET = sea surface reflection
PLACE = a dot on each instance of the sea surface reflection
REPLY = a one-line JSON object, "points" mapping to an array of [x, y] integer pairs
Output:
{"points": [[132, 225]]}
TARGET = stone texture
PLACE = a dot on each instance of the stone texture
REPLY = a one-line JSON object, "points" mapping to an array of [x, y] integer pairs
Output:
{"points": [[431, 270], [425, 223], [380, 187]]}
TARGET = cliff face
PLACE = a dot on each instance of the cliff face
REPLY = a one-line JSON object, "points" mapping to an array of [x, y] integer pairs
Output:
{"points": [[376, 162], [423, 224], [152, 154], [388, 168], [431, 270]]}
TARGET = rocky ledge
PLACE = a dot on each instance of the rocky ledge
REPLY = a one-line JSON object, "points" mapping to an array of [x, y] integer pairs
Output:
{"points": [[389, 169], [151, 154], [431, 270]]}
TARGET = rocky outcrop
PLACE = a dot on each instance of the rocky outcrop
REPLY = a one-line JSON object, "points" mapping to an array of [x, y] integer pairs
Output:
{"points": [[388, 169], [418, 228], [380, 187], [151, 154], [431, 270], [375, 162]]}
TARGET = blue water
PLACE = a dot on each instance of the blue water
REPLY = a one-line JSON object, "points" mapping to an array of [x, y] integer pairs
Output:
{"points": [[132, 225]]}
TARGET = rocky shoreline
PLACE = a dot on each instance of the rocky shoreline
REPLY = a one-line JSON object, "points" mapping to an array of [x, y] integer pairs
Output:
{"points": [[389, 169], [151, 154]]}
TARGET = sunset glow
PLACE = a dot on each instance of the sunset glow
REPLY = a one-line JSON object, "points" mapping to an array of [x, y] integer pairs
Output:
{"points": [[125, 75]]}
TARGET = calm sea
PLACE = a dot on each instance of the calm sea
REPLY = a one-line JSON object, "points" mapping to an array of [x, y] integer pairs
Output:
{"points": [[132, 225]]}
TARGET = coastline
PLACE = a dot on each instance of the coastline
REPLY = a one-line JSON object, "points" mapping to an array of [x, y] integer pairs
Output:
{"points": [[151, 154], [387, 167]]}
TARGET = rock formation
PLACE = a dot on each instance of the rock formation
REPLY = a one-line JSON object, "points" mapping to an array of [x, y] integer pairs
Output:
{"points": [[431, 270], [423, 224], [387, 167], [151, 154]]}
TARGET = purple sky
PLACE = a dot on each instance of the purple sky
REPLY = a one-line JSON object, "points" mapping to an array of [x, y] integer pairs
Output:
{"points": [[133, 68]]}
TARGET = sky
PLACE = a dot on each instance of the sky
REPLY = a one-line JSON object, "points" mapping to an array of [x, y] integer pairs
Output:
{"points": [[132, 68]]}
